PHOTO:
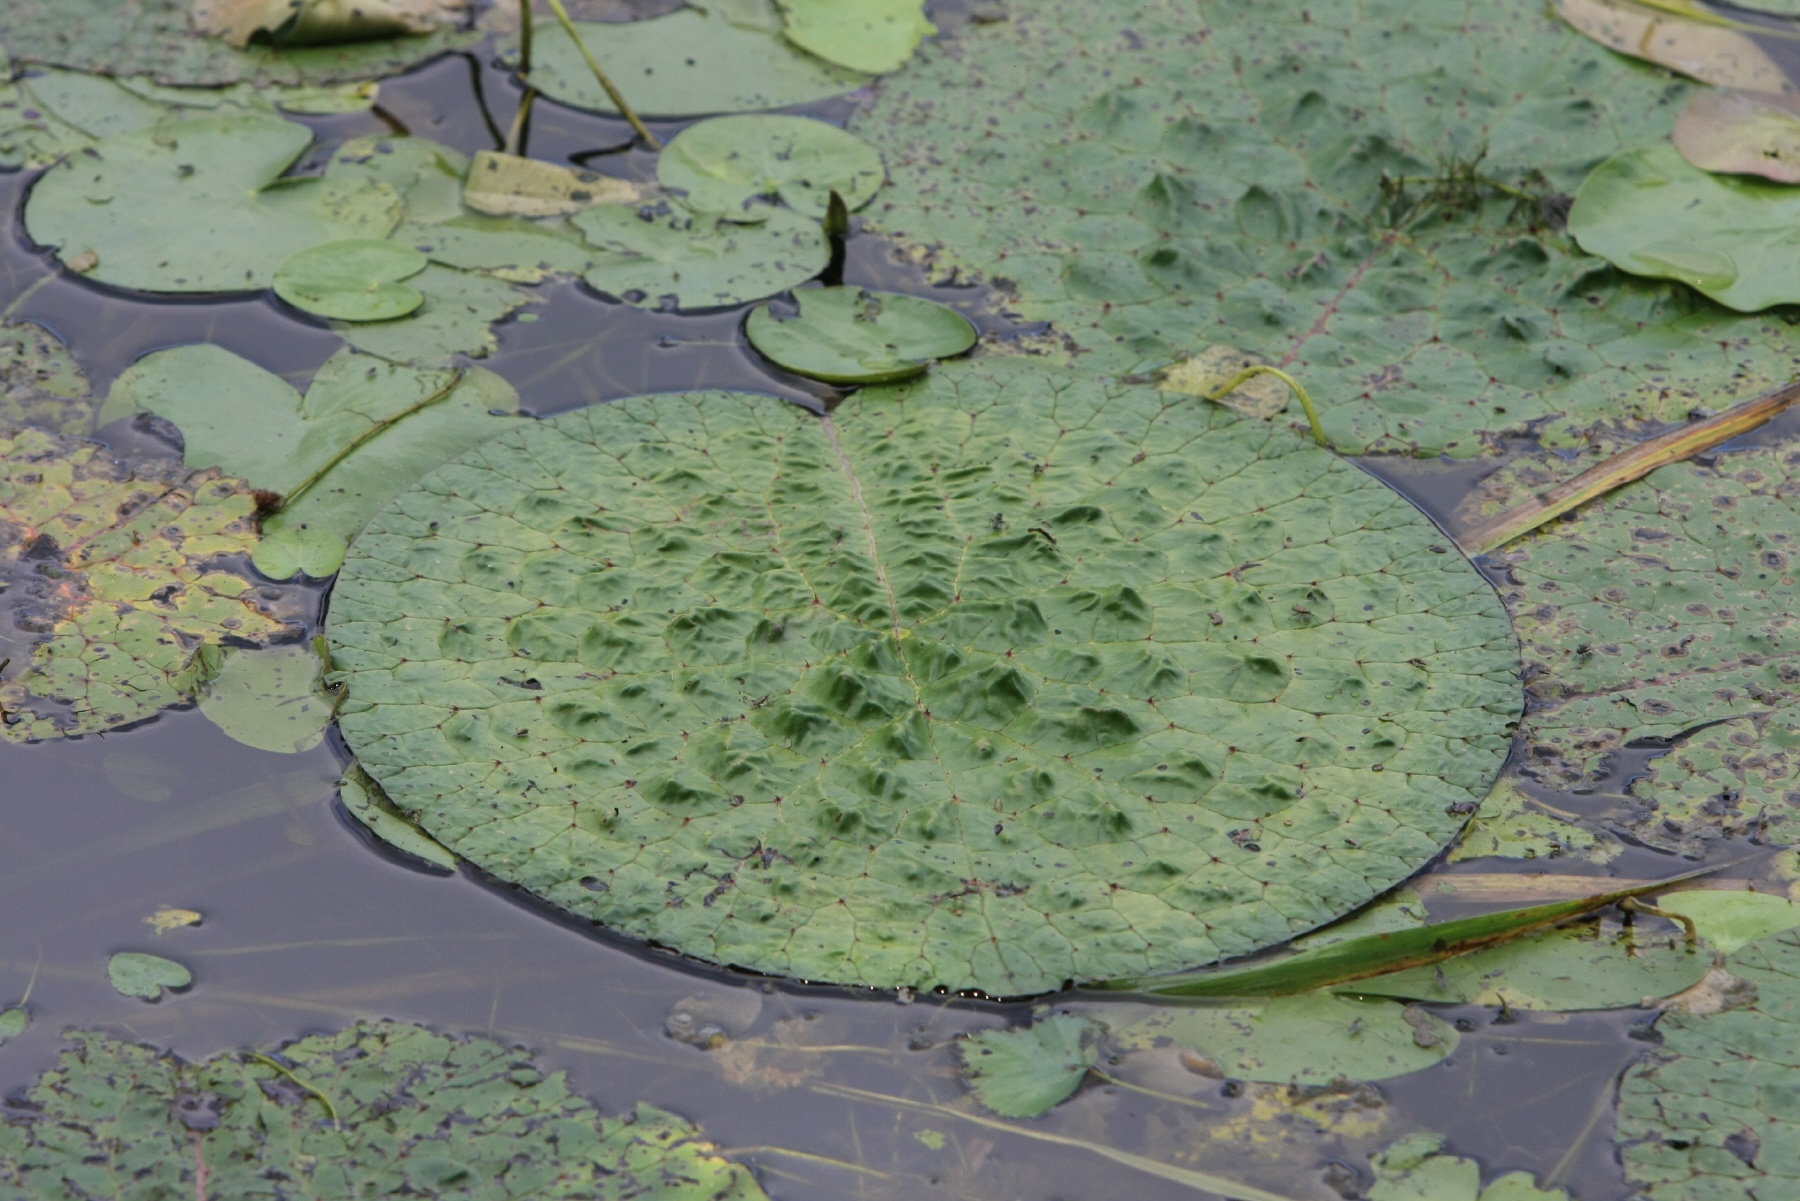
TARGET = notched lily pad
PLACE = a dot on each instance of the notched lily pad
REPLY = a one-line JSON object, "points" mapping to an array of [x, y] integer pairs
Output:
{"points": [[357, 280], [667, 258], [136, 974], [855, 336], [726, 165], [1025, 1071], [1142, 642]]}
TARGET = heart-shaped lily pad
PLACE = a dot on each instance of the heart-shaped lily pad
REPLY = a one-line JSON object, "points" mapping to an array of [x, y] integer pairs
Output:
{"points": [[997, 680], [726, 164], [672, 259], [854, 336], [354, 280], [139, 975]]}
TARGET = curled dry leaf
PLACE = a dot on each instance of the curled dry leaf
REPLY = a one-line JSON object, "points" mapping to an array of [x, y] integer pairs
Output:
{"points": [[320, 22], [1742, 133], [1213, 368], [1717, 54]]}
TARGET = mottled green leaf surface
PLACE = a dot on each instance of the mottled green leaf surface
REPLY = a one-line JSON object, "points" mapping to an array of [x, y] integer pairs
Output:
{"points": [[725, 165], [1225, 188], [417, 1114], [1025, 1071], [197, 206], [41, 384], [669, 258], [856, 336], [136, 974], [154, 37], [691, 63], [1711, 1113], [998, 679]]}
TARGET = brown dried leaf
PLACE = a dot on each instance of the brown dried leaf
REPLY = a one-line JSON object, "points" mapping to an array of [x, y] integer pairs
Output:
{"points": [[320, 22], [1715, 54], [505, 185], [1742, 133]]}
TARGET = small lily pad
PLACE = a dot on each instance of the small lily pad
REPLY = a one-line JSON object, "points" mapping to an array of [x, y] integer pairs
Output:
{"points": [[674, 260], [854, 336], [270, 699], [1026, 1071], [136, 974], [875, 36], [199, 206], [1731, 237], [726, 165], [13, 1022], [457, 318], [692, 62], [355, 280], [1729, 919]]}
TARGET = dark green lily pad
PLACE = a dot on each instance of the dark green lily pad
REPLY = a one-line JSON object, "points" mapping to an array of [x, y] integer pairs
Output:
{"points": [[950, 668], [671, 259], [1025, 1071], [691, 63], [358, 280], [197, 206], [726, 165], [1731, 237], [379, 1110], [139, 975], [855, 336], [1202, 191]]}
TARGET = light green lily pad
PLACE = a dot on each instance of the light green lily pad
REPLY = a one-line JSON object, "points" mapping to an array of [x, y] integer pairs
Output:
{"points": [[1730, 919], [1133, 647], [138, 975], [1025, 1071], [1200, 193], [515, 250], [370, 806], [872, 36], [120, 570], [155, 37], [691, 63], [1710, 1113], [427, 175], [1416, 1169], [855, 336], [358, 280], [724, 166], [197, 206], [456, 319], [671, 259], [270, 699], [319, 1115], [1731, 237], [396, 423], [13, 1022], [1311, 1038]]}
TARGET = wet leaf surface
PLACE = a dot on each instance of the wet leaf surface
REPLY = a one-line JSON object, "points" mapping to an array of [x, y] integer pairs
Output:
{"points": [[855, 336], [871, 36], [1025, 1071], [670, 259], [358, 280], [41, 384], [726, 165], [379, 1109], [270, 699], [136, 974], [845, 637]]}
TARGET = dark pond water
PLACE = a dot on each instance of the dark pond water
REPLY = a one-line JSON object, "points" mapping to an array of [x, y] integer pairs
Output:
{"points": [[308, 925]]}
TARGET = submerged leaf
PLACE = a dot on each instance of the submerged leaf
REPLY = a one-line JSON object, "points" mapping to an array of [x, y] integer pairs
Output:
{"points": [[1749, 133], [855, 336], [136, 974], [368, 804], [505, 185], [270, 699], [1730, 237], [873, 36], [1025, 1071], [197, 206], [726, 165], [356, 280], [320, 22], [1009, 698], [673, 260]]}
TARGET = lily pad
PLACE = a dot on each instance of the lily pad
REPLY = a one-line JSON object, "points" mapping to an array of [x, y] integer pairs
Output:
{"points": [[155, 37], [427, 175], [1694, 42], [1731, 237], [1730, 919], [514, 250], [358, 280], [855, 336], [1747, 133], [872, 36], [318, 1114], [365, 801], [1201, 193], [13, 1022], [198, 206], [1133, 647], [456, 319], [269, 699], [121, 569], [365, 429], [1026, 1071], [136, 974], [726, 165], [691, 63], [1416, 1169], [674, 260]]}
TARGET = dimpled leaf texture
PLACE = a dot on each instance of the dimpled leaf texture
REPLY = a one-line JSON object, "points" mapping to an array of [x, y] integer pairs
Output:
{"points": [[998, 679], [1156, 177], [1711, 1114], [120, 570], [420, 1115]]}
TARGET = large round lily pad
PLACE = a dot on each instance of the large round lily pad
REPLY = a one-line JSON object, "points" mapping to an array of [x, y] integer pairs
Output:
{"points": [[991, 681], [728, 164]]}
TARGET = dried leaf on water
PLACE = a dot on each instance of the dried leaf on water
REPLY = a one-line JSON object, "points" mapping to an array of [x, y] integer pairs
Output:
{"points": [[1749, 133], [135, 974], [320, 22], [269, 699], [1025, 1071], [1071, 567], [505, 185], [356, 280], [1204, 374], [167, 919], [729, 165], [856, 336], [1716, 51]]}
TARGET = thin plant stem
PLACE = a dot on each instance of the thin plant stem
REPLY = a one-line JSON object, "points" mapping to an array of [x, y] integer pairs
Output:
{"points": [[27, 294], [1687, 923], [456, 378], [625, 110], [515, 137], [1306, 402], [525, 37], [314, 1089]]}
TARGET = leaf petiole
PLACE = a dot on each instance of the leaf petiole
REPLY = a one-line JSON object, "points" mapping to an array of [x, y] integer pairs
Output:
{"points": [[315, 1090], [1306, 401], [625, 110]]}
